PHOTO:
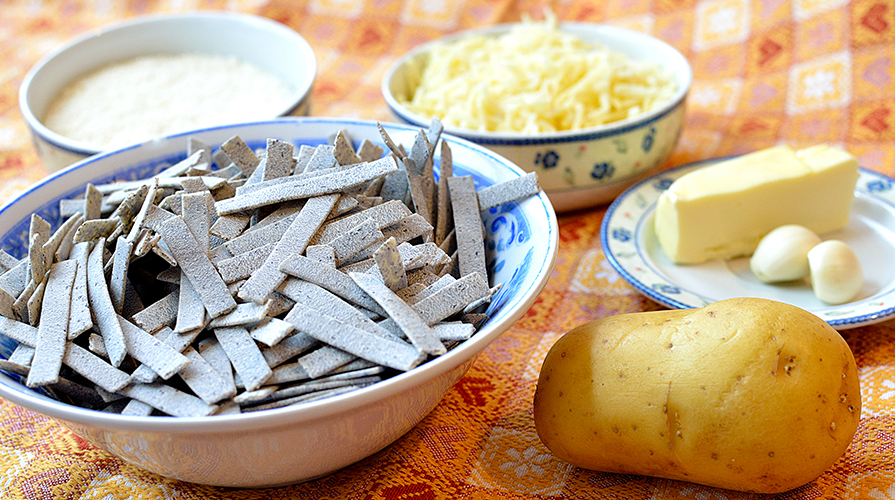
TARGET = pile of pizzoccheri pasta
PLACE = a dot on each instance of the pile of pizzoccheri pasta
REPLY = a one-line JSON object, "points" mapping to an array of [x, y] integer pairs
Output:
{"points": [[535, 78], [240, 280]]}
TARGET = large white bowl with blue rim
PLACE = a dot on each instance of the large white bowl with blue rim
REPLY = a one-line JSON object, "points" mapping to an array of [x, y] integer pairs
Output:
{"points": [[579, 168], [298, 443]]}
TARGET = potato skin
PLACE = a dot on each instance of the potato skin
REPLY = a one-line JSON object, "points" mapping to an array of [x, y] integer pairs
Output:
{"points": [[745, 394]]}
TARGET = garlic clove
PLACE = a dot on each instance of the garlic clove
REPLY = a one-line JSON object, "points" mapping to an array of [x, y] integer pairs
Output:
{"points": [[836, 274], [782, 255]]}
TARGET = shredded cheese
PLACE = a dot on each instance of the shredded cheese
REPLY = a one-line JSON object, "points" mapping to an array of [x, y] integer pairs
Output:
{"points": [[534, 79]]}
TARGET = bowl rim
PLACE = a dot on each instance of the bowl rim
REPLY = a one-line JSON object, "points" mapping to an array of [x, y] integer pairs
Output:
{"points": [[312, 410], [682, 70], [297, 98]]}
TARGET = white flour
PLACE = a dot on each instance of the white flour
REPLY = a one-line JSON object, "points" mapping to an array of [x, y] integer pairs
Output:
{"points": [[147, 96]]}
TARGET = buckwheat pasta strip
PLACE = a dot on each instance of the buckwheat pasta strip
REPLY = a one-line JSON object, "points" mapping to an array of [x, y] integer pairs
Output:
{"points": [[136, 408], [242, 265], [284, 374], [324, 360], [322, 159], [316, 186], [52, 332], [295, 344], [191, 313], [309, 175], [385, 215], [362, 344], [468, 224], [62, 236], [244, 314], [250, 397], [505, 192], [104, 312], [453, 331], [120, 262], [391, 265], [158, 314], [93, 202], [80, 319], [194, 210], [253, 238], [168, 400], [343, 151], [444, 218], [228, 227], [152, 352], [369, 151], [35, 303], [213, 353], [14, 280], [408, 320], [356, 239], [7, 261], [270, 331], [196, 266], [241, 155], [323, 254], [333, 280], [177, 342], [294, 241], [245, 356], [279, 159], [204, 380]]}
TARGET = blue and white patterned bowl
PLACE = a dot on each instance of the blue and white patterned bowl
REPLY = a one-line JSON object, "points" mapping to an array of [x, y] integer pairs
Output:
{"points": [[580, 168], [298, 443]]}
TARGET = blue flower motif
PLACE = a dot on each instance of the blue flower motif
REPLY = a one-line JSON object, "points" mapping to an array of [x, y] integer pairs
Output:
{"points": [[602, 171], [550, 159], [511, 286], [879, 186], [662, 184], [649, 140], [666, 289], [621, 234]]}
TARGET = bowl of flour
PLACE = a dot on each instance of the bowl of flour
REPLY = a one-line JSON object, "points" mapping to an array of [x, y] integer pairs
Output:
{"points": [[150, 76]]}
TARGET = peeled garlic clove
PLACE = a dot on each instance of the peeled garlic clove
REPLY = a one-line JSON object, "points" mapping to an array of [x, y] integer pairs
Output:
{"points": [[836, 274], [782, 255]]}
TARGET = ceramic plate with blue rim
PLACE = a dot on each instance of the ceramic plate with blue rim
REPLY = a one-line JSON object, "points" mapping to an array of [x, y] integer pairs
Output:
{"points": [[630, 244]]}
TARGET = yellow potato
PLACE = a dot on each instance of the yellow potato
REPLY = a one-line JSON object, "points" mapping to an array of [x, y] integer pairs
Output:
{"points": [[745, 394]]}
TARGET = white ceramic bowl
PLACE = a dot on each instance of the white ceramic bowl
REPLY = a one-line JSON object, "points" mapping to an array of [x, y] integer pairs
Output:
{"points": [[580, 168], [298, 443], [267, 44]]}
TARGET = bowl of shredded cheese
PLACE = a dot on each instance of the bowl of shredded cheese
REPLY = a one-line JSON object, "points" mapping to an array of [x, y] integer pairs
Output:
{"points": [[149, 76], [590, 108]]}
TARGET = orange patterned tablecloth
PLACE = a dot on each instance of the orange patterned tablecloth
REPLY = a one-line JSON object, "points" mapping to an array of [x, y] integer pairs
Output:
{"points": [[766, 71]]}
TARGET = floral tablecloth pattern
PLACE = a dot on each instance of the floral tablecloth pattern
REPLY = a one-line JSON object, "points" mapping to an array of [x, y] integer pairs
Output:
{"points": [[766, 72]]}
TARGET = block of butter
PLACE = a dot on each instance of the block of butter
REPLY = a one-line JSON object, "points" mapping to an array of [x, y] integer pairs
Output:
{"points": [[722, 211]]}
